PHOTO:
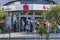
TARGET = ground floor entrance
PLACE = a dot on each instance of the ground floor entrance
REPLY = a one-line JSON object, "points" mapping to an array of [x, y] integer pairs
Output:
{"points": [[20, 20]]}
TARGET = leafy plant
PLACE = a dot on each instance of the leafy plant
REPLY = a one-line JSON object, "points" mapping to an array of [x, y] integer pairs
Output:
{"points": [[53, 27], [2, 17], [42, 29], [2, 25], [2, 14], [54, 13]]}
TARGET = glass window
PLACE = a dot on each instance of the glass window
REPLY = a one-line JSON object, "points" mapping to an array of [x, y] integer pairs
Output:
{"points": [[23, 13], [38, 12], [30, 13]]}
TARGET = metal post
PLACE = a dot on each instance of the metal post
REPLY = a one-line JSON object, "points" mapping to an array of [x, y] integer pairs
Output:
{"points": [[11, 25], [9, 33], [8, 26], [12, 20], [34, 21], [19, 21], [26, 15], [43, 16]]}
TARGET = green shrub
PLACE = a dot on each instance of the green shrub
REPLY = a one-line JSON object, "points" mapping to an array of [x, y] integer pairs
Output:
{"points": [[2, 25], [42, 29], [53, 27]]}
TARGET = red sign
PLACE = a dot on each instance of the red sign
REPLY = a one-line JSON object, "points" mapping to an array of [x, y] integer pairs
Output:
{"points": [[25, 7], [2, 8], [44, 7], [2, 21], [6, 8]]}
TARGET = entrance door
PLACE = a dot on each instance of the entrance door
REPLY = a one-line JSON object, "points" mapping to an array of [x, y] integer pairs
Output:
{"points": [[20, 20], [24, 21], [22, 24], [30, 22]]}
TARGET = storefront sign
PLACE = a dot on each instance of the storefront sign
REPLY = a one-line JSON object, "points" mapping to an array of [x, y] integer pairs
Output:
{"points": [[41, 7], [44, 7], [25, 7], [6, 8], [2, 8]]}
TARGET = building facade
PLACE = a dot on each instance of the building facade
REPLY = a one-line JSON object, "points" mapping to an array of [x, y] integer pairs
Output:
{"points": [[21, 13]]}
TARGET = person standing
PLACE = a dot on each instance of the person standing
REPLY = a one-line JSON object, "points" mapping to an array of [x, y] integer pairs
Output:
{"points": [[31, 27], [14, 26], [27, 28]]}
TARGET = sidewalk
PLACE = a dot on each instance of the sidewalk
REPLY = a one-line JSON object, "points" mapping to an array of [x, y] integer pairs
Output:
{"points": [[27, 35], [18, 34]]}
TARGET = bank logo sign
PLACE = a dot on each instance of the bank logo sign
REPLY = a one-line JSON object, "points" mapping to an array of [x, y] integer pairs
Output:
{"points": [[26, 7]]}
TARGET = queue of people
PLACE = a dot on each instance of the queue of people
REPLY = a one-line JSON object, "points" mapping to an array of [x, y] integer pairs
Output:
{"points": [[25, 26]]}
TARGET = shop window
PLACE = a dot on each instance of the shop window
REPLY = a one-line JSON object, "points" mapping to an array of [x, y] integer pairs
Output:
{"points": [[30, 13], [38, 12], [23, 13]]}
